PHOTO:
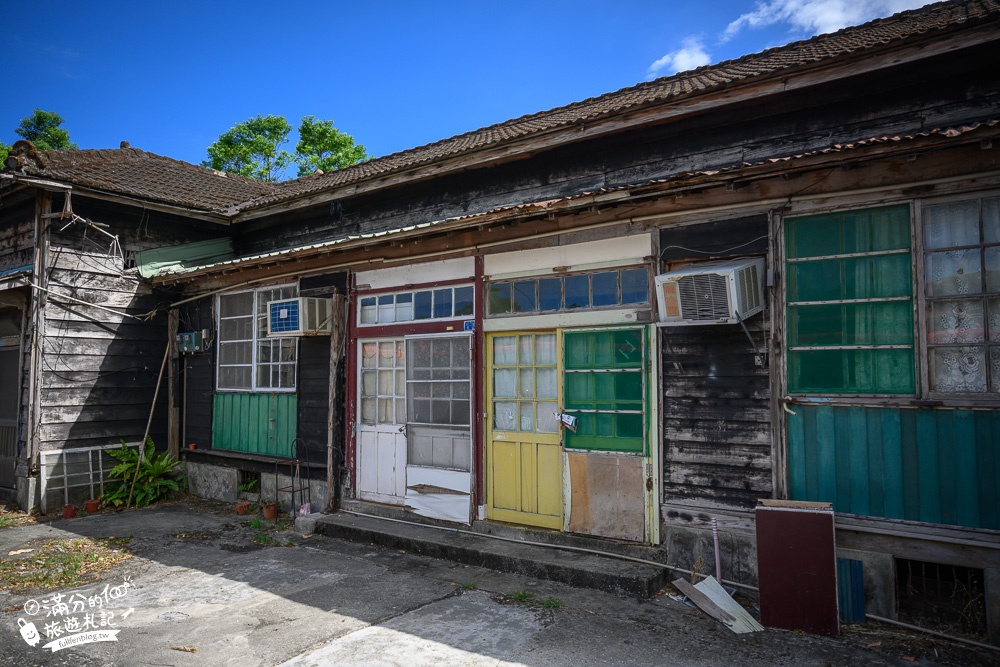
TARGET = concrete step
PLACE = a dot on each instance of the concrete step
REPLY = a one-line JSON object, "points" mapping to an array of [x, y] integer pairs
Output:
{"points": [[612, 575]]}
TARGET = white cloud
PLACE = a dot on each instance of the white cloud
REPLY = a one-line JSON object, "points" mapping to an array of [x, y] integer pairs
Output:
{"points": [[813, 17], [692, 54]]}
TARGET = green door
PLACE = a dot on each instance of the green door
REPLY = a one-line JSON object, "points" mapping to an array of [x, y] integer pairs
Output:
{"points": [[604, 388]]}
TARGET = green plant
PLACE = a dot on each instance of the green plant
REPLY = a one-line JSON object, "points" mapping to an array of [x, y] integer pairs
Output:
{"points": [[552, 603], [467, 586], [257, 523], [153, 482], [522, 597], [249, 487]]}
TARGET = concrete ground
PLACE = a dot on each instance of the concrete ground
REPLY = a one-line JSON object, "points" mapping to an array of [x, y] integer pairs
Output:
{"points": [[201, 592]]}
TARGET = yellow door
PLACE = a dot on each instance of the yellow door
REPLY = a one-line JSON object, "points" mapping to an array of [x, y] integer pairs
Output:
{"points": [[523, 451]]}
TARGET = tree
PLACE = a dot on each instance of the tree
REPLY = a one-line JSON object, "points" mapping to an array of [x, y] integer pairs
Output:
{"points": [[323, 147], [252, 148], [42, 129], [4, 152]]}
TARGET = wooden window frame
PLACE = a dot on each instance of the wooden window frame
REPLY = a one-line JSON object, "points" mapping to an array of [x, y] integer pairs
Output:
{"points": [[562, 300]]}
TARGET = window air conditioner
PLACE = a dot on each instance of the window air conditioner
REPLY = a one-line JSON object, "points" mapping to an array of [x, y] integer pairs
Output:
{"points": [[302, 316], [717, 292]]}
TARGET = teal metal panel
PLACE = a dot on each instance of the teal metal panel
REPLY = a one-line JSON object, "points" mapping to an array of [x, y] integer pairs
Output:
{"points": [[264, 424], [796, 454], [965, 508], [927, 465], [873, 441], [922, 464], [858, 459], [826, 439], [892, 462]]}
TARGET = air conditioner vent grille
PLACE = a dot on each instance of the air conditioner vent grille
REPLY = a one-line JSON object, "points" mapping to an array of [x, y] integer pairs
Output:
{"points": [[704, 297]]}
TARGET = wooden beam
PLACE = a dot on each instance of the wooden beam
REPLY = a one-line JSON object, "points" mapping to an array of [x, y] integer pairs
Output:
{"points": [[338, 328]]}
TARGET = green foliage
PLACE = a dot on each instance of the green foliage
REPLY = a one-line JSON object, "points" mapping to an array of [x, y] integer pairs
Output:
{"points": [[4, 152], [248, 487], [552, 603], [154, 481], [42, 129], [252, 148], [323, 147], [522, 597]]}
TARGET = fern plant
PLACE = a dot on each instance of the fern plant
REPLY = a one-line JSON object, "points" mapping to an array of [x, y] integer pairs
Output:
{"points": [[154, 482]]}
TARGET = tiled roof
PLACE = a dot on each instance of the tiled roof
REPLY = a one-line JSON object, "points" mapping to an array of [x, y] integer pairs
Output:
{"points": [[984, 128], [817, 49], [149, 177], [145, 176]]}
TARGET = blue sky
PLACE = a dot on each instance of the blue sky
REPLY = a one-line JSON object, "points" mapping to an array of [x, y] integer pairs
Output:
{"points": [[169, 77]]}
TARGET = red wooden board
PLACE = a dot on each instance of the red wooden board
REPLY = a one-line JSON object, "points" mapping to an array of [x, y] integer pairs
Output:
{"points": [[797, 567]]}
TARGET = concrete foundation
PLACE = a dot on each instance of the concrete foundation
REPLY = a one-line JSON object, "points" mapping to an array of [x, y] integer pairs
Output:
{"points": [[220, 483], [693, 548]]}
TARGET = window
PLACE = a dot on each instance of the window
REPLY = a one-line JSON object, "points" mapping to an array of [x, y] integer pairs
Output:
{"points": [[850, 302], [432, 304], [383, 382], [525, 383], [601, 289], [962, 292], [248, 359]]}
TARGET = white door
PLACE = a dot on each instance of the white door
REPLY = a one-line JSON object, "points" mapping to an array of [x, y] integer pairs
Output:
{"points": [[382, 421], [439, 426]]}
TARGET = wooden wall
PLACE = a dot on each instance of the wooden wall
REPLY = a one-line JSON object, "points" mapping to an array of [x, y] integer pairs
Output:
{"points": [[716, 399], [196, 412], [17, 231], [100, 368]]}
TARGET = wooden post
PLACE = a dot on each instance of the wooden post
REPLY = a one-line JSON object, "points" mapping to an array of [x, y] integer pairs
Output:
{"points": [[337, 331], [173, 387], [39, 275]]}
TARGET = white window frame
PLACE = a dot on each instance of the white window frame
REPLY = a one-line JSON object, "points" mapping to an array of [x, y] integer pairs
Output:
{"points": [[254, 341], [359, 314]]}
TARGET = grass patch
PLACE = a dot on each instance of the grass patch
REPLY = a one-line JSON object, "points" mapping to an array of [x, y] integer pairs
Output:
{"points": [[56, 564], [467, 586], [522, 597], [265, 531], [11, 518], [527, 599]]}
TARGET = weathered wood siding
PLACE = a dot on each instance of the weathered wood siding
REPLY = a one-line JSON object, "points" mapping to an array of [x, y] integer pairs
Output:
{"points": [[716, 416], [937, 93], [197, 409], [716, 399], [17, 235], [314, 378], [100, 368]]}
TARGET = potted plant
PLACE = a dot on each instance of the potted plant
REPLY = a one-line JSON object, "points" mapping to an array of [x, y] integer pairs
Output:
{"points": [[69, 511], [270, 509], [243, 507], [92, 505]]}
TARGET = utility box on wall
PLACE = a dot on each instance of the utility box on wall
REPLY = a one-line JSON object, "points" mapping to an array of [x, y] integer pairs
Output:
{"points": [[190, 342]]}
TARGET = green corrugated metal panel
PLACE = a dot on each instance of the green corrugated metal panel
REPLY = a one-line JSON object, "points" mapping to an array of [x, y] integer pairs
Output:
{"points": [[189, 255], [255, 423], [922, 464]]}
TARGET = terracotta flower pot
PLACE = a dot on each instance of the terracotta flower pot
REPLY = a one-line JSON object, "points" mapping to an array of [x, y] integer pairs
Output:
{"points": [[69, 511], [92, 505], [243, 507], [270, 511], [192, 446]]}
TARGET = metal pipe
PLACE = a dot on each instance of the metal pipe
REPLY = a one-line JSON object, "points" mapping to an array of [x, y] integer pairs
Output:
{"points": [[932, 632]]}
